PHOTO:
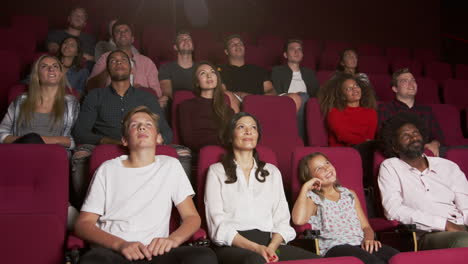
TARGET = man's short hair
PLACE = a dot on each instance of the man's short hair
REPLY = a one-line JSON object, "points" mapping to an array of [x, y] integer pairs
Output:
{"points": [[228, 38], [110, 55], [120, 22], [181, 32], [73, 9], [286, 46], [388, 133], [138, 109], [398, 73]]}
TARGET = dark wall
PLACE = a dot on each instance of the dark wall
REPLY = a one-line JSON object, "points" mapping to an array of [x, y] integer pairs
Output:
{"points": [[388, 23]]}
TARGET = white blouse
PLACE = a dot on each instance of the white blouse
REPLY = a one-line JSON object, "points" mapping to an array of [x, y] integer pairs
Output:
{"points": [[244, 206]]}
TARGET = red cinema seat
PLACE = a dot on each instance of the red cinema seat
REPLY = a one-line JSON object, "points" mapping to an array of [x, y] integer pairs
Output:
{"points": [[461, 72], [394, 52], [277, 117], [10, 71], [329, 60], [437, 70], [450, 255], [460, 157], [413, 65], [425, 55], [261, 57], [338, 260], [456, 93], [38, 24], [317, 134], [178, 98], [22, 42], [382, 86], [311, 47], [336, 46], [373, 64], [33, 203], [428, 91], [324, 76], [449, 120], [369, 50]]}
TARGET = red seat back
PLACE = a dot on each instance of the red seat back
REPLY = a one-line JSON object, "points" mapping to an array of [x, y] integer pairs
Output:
{"points": [[456, 93], [369, 50], [33, 202], [449, 255], [428, 91], [317, 134], [10, 70], [449, 120], [38, 24], [277, 117], [178, 98], [373, 64], [460, 157], [329, 60], [394, 52], [439, 71], [413, 65], [324, 76], [425, 55], [461, 72], [382, 86]]}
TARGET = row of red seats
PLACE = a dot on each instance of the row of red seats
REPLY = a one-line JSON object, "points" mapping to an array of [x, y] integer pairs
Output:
{"points": [[36, 195]]}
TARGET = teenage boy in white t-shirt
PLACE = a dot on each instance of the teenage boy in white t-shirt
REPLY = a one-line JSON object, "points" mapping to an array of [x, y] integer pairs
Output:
{"points": [[126, 213]]}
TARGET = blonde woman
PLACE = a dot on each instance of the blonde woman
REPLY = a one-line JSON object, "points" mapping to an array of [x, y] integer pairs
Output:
{"points": [[45, 114]]}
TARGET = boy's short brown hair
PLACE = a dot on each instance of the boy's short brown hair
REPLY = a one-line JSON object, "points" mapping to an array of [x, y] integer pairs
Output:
{"points": [[138, 109]]}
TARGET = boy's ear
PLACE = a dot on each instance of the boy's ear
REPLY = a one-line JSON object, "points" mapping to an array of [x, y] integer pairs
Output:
{"points": [[159, 139], [124, 142]]}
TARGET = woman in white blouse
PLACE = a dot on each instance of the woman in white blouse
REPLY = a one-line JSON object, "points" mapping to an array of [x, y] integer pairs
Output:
{"points": [[246, 209]]}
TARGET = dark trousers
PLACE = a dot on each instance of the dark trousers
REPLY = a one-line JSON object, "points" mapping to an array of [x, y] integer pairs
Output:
{"points": [[234, 255], [31, 138], [185, 255], [382, 256]]}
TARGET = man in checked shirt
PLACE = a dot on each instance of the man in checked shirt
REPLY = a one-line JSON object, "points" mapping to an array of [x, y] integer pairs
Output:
{"points": [[405, 87]]}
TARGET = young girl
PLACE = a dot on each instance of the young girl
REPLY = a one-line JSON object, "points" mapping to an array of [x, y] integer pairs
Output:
{"points": [[336, 211]]}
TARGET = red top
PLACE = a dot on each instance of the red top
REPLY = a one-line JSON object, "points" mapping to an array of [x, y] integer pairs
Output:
{"points": [[353, 125]]}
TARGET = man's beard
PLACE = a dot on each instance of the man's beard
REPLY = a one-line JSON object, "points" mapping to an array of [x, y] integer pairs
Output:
{"points": [[185, 52], [412, 151], [120, 76], [81, 27]]}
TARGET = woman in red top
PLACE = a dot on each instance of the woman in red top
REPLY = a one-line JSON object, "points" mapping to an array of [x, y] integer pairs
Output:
{"points": [[349, 105]]}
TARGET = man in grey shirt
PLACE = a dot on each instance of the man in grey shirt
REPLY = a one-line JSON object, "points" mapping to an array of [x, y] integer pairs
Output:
{"points": [[177, 75], [76, 24]]}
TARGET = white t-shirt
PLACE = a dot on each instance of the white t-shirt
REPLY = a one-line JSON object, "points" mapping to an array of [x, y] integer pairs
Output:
{"points": [[135, 203], [297, 84], [244, 206]]}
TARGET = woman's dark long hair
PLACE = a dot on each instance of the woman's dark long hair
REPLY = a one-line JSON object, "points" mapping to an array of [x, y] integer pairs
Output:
{"points": [[228, 158], [77, 60]]}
